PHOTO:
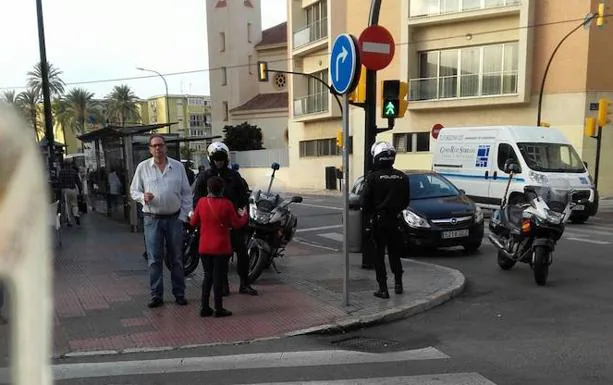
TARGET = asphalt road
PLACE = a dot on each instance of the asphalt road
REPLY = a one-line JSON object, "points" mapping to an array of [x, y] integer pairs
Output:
{"points": [[503, 330]]}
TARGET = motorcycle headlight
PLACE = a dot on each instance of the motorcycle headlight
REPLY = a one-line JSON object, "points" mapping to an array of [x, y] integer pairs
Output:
{"points": [[539, 178], [478, 214], [414, 220], [554, 217], [257, 215], [252, 210]]}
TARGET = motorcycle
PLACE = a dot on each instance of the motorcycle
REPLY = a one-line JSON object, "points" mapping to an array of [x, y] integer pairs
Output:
{"points": [[191, 257], [271, 227], [528, 231]]}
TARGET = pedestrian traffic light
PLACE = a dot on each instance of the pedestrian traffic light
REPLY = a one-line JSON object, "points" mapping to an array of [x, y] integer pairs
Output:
{"points": [[603, 112], [339, 139], [263, 71], [394, 102], [358, 95], [600, 16], [590, 126]]}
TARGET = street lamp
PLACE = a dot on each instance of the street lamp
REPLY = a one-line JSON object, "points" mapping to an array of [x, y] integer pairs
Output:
{"points": [[165, 85]]}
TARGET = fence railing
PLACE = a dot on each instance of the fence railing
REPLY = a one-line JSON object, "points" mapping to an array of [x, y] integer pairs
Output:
{"points": [[311, 104], [312, 32]]}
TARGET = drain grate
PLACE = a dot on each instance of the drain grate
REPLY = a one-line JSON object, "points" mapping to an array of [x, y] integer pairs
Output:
{"points": [[366, 344]]}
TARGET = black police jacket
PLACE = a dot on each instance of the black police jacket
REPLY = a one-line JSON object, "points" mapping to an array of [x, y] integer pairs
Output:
{"points": [[386, 191], [236, 188]]}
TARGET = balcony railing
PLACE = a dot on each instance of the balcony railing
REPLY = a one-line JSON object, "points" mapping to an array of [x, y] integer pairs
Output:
{"points": [[311, 104], [463, 86], [423, 8], [312, 32]]}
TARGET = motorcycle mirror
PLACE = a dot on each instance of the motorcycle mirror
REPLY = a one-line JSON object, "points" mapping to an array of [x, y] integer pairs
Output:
{"points": [[463, 192], [512, 168], [296, 199], [275, 166]]}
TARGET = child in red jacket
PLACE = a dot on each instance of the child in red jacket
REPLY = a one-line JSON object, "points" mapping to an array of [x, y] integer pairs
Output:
{"points": [[216, 216]]}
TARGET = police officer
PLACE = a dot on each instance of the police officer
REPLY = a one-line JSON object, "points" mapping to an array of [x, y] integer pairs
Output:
{"points": [[237, 191], [386, 194]]}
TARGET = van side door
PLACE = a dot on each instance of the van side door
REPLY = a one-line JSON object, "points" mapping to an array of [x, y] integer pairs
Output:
{"points": [[499, 178]]}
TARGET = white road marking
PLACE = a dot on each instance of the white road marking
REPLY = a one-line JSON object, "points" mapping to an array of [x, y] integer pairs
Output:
{"points": [[587, 241], [234, 362], [321, 206], [313, 244], [333, 236], [427, 379], [318, 228]]}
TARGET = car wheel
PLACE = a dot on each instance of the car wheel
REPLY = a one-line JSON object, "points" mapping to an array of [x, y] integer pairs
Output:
{"points": [[578, 219]]}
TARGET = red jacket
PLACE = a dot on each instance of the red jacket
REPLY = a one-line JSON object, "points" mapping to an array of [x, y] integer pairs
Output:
{"points": [[216, 216]]}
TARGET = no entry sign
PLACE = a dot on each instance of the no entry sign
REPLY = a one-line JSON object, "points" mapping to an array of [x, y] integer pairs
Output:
{"points": [[376, 47]]}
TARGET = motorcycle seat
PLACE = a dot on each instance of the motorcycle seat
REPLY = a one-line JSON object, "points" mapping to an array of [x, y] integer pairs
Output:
{"points": [[514, 214]]}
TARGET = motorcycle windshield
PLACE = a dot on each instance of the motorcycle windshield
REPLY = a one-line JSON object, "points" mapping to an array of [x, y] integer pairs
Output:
{"points": [[556, 198]]}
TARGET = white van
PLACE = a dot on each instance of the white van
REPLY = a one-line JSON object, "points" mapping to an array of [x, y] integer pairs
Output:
{"points": [[473, 159]]}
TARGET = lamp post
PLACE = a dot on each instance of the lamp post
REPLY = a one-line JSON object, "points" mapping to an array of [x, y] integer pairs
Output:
{"points": [[44, 72], [165, 85]]}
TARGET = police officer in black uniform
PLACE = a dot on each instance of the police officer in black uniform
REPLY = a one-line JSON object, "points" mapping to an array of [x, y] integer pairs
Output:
{"points": [[237, 191], [385, 195]]}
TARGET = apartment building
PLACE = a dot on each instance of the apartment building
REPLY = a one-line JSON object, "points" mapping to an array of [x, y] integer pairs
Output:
{"points": [[468, 62], [236, 42]]}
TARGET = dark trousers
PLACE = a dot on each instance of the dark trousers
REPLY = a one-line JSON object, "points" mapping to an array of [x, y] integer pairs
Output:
{"points": [[387, 234], [239, 246], [214, 269]]}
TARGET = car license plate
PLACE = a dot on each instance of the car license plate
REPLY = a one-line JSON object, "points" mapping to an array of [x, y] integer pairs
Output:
{"points": [[578, 207], [454, 234]]}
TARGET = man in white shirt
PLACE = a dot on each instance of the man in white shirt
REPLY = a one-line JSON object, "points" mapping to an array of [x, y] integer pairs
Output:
{"points": [[160, 185]]}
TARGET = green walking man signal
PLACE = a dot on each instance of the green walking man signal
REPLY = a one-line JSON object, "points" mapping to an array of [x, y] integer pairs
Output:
{"points": [[390, 109], [394, 103]]}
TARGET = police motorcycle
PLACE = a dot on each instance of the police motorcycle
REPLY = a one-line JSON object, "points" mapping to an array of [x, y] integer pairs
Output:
{"points": [[528, 231], [271, 227], [191, 257]]}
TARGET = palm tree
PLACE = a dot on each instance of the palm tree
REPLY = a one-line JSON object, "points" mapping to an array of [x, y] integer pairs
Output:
{"points": [[28, 102], [79, 105], [9, 97], [121, 104], [56, 84]]}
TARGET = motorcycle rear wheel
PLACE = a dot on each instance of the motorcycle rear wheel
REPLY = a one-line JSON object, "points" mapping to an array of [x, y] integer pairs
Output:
{"points": [[541, 265], [191, 258], [258, 261], [505, 262]]}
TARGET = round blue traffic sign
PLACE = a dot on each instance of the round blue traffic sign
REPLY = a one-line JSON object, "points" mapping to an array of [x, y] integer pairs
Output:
{"points": [[344, 63]]}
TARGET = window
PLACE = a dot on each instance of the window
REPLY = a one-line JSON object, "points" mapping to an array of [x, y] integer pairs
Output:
{"points": [[420, 8], [412, 142], [196, 120], [467, 72], [551, 157], [249, 32], [224, 76], [316, 99], [222, 42], [226, 112], [505, 152], [322, 147], [250, 64], [195, 101]]}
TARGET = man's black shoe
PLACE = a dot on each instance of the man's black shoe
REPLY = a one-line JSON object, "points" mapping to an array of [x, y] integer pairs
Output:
{"points": [[206, 312], [155, 302], [247, 290], [398, 288], [382, 294], [78, 220], [222, 313], [225, 291], [181, 301]]}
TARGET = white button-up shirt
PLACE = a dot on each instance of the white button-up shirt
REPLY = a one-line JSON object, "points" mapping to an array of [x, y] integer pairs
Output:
{"points": [[170, 188]]}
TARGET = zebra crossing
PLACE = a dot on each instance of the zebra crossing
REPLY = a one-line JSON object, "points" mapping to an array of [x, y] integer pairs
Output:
{"points": [[320, 366]]}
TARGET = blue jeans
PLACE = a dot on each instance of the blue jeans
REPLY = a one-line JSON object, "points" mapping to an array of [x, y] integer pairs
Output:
{"points": [[157, 231]]}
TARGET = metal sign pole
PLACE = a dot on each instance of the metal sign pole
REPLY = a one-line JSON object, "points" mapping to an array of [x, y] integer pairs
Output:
{"points": [[346, 198]]}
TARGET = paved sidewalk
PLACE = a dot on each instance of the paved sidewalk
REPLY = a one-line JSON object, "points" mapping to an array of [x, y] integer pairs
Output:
{"points": [[101, 294]]}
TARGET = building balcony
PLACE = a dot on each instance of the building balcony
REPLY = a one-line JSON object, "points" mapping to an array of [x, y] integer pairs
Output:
{"points": [[311, 104], [468, 86], [313, 32], [429, 8]]}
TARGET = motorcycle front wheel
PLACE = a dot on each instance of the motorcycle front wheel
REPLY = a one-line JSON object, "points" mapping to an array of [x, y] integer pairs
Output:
{"points": [[258, 261], [541, 265]]}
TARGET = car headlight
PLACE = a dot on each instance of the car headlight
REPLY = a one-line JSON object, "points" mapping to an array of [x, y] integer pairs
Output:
{"points": [[539, 178], [478, 214], [414, 220]]}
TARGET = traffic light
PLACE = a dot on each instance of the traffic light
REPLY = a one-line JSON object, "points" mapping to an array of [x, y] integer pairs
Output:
{"points": [[339, 139], [394, 102], [590, 126], [600, 16], [263, 71], [603, 112], [358, 95]]}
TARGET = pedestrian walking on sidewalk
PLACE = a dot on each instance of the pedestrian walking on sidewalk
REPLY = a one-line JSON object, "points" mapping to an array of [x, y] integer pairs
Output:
{"points": [[160, 185], [216, 216], [386, 194], [71, 187], [237, 191]]}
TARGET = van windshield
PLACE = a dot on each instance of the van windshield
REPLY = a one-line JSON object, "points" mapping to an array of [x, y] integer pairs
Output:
{"points": [[551, 157]]}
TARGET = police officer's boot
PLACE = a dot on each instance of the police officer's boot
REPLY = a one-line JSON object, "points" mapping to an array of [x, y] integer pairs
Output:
{"points": [[398, 289], [382, 293]]}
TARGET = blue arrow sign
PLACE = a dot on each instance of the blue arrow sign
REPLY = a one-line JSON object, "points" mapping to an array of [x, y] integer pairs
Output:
{"points": [[344, 61]]}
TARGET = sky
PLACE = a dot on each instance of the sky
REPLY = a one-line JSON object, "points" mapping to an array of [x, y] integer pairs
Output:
{"points": [[91, 40]]}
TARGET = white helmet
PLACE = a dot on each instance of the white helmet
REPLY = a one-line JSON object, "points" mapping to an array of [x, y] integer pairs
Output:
{"points": [[218, 151], [383, 153]]}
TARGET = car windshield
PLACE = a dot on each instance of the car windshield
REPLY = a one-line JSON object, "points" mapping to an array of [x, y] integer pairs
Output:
{"points": [[551, 157], [428, 186]]}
